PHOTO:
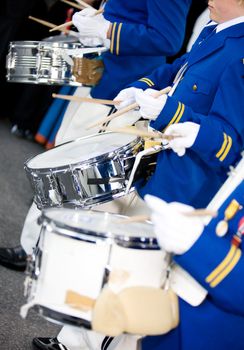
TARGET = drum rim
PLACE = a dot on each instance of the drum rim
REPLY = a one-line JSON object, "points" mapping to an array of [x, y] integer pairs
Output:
{"points": [[49, 44], [61, 318], [85, 163], [95, 236]]}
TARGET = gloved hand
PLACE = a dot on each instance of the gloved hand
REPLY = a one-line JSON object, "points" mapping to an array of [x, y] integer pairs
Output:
{"points": [[126, 96], [175, 232], [187, 133], [90, 42], [90, 26], [150, 107]]}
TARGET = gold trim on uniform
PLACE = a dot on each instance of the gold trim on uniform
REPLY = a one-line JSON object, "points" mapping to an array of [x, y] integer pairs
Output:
{"points": [[118, 38], [226, 146], [178, 114], [225, 267], [147, 81], [112, 37]]}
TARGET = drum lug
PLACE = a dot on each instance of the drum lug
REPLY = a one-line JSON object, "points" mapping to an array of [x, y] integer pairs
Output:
{"points": [[77, 185], [39, 190], [54, 193]]}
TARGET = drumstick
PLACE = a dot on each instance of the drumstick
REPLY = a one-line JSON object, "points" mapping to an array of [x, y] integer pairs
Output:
{"points": [[85, 99], [47, 24], [73, 4], [126, 109], [142, 133], [66, 24], [83, 3], [194, 213], [61, 26]]}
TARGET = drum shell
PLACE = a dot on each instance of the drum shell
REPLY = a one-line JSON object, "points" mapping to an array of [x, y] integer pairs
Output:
{"points": [[44, 62], [45, 266], [91, 182]]}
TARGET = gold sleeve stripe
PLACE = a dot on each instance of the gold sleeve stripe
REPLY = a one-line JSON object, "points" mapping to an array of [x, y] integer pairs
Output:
{"points": [[178, 114], [147, 81], [227, 270], [222, 147], [228, 147], [112, 38], [181, 114], [222, 265], [225, 148], [118, 38]]}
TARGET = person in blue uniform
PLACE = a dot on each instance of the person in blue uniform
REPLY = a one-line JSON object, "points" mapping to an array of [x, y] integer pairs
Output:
{"points": [[213, 256], [141, 33], [205, 107], [144, 21]]}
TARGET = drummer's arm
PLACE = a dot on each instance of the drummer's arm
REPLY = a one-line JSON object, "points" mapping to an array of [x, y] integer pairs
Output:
{"points": [[160, 77], [219, 267], [163, 34], [220, 138]]}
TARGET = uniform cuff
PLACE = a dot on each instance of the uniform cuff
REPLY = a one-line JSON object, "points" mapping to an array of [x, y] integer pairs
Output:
{"points": [[172, 113]]}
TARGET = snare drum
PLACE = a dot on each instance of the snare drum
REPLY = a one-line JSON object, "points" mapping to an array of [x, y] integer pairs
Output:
{"points": [[88, 171], [53, 63], [80, 252]]}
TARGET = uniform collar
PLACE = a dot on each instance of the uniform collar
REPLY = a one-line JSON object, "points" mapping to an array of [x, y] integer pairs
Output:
{"points": [[217, 41], [226, 24], [230, 23]]}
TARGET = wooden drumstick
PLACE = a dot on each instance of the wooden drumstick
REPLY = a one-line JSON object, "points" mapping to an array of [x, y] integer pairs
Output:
{"points": [[126, 109], [142, 133], [47, 24], [61, 26], [66, 24], [73, 4], [83, 3], [194, 213], [85, 99]]}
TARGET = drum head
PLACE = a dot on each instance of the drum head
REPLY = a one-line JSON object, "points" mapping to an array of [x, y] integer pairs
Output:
{"points": [[61, 38], [81, 150], [101, 225]]}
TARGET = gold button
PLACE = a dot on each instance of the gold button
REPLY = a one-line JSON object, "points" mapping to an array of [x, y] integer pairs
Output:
{"points": [[194, 88]]}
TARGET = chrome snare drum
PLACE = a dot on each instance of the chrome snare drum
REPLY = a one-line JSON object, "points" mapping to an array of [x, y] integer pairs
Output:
{"points": [[52, 63], [81, 251], [84, 172]]}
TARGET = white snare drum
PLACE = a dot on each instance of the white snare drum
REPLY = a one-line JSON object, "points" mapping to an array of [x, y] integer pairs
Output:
{"points": [[79, 251], [52, 63], [84, 172]]}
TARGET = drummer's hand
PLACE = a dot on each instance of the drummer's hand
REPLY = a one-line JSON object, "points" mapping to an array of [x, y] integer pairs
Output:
{"points": [[126, 96], [90, 25], [91, 42], [175, 232], [150, 107], [186, 134]]}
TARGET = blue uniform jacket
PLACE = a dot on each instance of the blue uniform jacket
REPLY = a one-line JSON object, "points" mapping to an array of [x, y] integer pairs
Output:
{"points": [[143, 33], [211, 93], [218, 323]]}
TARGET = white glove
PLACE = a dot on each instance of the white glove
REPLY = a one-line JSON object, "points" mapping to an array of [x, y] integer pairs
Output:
{"points": [[175, 232], [187, 133], [126, 96], [89, 25], [90, 42], [150, 107]]}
